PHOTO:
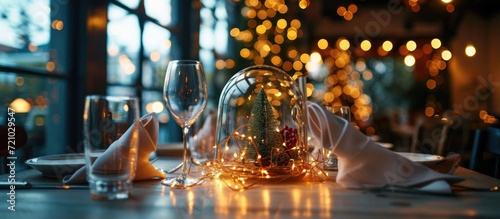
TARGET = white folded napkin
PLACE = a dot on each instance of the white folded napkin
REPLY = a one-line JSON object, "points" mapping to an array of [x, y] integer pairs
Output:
{"points": [[148, 139], [363, 163]]}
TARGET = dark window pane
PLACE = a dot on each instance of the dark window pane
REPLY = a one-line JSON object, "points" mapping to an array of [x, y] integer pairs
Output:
{"points": [[40, 106]]}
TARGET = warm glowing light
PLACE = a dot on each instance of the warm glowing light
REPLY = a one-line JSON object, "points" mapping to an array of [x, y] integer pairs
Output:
{"points": [[366, 45], [155, 56], [360, 65], [261, 29], [352, 8], [341, 11], [220, 64], [230, 64], [315, 57], [344, 44], [446, 1], [309, 89], [303, 4], [50, 66], [32, 47], [409, 60], [436, 43], [450, 8], [387, 46], [295, 23], [367, 75], [245, 53], [348, 15], [234, 32], [262, 14], [470, 50], [304, 58], [127, 66], [446, 55], [113, 50], [431, 84], [297, 65], [429, 111], [57, 25], [157, 106], [268, 24], [322, 44], [291, 33], [279, 39], [411, 45], [281, 23], [20, 105], [328, 97]]}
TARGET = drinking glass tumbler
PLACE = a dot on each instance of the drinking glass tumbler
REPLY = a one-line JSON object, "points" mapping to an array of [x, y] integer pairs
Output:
{"points": [[111, 139], [332, 161]]}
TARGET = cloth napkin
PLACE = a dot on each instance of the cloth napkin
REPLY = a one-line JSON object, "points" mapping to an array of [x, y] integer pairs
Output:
{"points": [[365, 165], [448, 165], [148, 139]]}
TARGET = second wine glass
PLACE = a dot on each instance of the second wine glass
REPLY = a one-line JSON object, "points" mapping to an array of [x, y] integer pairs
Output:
{"points": [[185, 92]]}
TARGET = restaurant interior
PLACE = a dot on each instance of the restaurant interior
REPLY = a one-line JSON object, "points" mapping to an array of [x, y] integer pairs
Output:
{"points": [[249, 109], [417, 75]]}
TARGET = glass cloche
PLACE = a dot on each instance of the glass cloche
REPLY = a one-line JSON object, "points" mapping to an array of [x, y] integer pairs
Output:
{"points": [[260, 126]]}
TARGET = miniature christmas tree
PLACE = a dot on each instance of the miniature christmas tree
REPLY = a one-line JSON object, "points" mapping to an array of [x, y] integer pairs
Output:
{"points": [[262, 127]]}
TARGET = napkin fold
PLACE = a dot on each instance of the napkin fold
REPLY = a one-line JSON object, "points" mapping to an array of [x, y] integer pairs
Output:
{"points": [[148, 139], [448, 165], [364, 164]]}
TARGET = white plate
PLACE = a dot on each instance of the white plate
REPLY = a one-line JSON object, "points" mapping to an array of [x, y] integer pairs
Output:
{"points": [[59, 165], [425, 159]]}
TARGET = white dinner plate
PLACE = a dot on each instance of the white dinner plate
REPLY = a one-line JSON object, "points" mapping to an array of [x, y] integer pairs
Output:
{"points": [[59, 165], [425, 159]]}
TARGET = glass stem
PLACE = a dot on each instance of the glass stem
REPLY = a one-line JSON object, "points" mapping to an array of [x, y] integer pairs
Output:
{"points": [[185, 132]]}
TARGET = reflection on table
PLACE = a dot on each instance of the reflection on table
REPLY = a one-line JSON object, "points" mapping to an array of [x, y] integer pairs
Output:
{"points": [[303, 199]]}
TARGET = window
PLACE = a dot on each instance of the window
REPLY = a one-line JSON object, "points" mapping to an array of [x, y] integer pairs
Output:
{"points": [[34, 74], [144, 35], [54, 52], [139, 47]]}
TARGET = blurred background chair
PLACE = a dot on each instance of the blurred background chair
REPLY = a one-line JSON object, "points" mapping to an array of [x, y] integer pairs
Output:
{"points": [[430, 135], [485, 151]]}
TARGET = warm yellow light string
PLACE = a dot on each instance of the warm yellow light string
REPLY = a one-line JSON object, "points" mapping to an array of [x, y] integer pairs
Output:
{"points": [[238, 175]]}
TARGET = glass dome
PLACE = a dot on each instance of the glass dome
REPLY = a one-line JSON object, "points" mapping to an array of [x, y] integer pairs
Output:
{"points": [[260, 125]]}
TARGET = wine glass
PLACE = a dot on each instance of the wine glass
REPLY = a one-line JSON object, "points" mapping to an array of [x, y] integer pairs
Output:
{"points": [[185, 93]]}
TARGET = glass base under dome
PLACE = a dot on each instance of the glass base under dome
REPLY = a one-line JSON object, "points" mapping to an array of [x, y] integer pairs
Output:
{"points": [[181, 182]]}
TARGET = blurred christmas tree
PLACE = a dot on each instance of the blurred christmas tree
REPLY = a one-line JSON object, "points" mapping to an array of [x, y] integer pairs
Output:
{"points": [[270, 33], [262, 127]]}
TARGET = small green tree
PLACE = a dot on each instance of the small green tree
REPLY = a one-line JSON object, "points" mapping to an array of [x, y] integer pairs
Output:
{"points": [[262, 127]]}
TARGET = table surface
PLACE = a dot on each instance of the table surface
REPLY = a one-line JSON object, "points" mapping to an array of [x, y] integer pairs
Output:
{"points": [[304, 199]]}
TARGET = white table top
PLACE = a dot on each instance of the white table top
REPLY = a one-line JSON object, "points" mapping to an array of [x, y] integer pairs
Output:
{"points": [[150, 199]]}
